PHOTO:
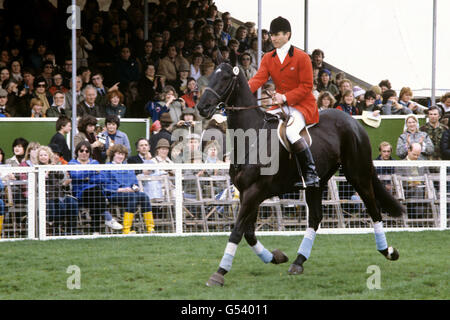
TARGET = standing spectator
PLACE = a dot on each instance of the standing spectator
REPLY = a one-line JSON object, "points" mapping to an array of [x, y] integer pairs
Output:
{"points": [[180, 84], [171, 104], [253, 52], [221, 36], [121, 188], [369, 103], [115, 105], [324, 82], [344, 84], [197, 61], [378, 98], [114, 135], [67, 72], [148, 58], [86, 132], [325, 100], [444, 106], [445, 145], [149, 85], [410, 135], [246, 61], [85, 74], [83, 47], [266, 41], [88, 106], [63, 127], [61, 205], [317, 57], [348, 103], [59, 106], [241, 36], [385, 85], [391, 106], [435, 130]]}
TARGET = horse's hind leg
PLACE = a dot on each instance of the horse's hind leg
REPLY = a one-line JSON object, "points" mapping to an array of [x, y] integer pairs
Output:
{"points": [[364, 186]]}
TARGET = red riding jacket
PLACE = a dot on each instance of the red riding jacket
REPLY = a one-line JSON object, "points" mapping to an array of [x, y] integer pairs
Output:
{"points": [[293, 78]]}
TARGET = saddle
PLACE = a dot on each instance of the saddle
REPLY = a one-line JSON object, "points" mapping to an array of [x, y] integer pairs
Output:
{"points": [[283, 121]]}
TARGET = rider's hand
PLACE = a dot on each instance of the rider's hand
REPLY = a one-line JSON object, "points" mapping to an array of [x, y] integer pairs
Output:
{"points": [[277, 98]]}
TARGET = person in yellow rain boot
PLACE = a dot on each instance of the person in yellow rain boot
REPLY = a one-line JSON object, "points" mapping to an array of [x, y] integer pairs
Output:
{"points": [[121, 188]]}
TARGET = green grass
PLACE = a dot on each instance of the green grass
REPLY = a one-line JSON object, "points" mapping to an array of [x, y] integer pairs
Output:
{"points": [[178, 268]]}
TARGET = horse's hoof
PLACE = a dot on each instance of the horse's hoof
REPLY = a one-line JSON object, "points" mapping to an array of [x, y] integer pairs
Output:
{"points": [[295, 269], [279, 257], [216, 280], [392, 254]]}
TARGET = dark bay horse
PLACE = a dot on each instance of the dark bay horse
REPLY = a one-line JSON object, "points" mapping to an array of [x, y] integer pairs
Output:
{"points": [[337, 140]]}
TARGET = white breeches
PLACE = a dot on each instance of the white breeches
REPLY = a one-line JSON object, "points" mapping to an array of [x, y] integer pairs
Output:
{"points": [[295, 125]]}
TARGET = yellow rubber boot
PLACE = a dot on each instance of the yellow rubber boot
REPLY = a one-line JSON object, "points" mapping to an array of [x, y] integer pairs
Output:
{"points": [[127, 222], [149, 222], [1, 225]]}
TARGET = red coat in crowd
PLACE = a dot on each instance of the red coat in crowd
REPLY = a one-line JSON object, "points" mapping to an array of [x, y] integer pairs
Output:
{"points": [[293, 78]]}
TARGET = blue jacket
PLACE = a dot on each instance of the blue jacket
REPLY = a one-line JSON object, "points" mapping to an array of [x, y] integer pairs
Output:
{"points": [[115, 179], [82, 180], [121, 138]]}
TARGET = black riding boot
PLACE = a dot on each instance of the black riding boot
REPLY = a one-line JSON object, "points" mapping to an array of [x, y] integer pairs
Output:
{"points": [[305, 164]]}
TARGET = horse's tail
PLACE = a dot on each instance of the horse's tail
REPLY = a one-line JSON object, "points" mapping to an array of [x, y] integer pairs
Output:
{"points": [[385, 200]]}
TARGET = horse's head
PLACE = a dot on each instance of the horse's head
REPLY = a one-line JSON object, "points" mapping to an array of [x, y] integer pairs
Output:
{"points": [[220, 90]]}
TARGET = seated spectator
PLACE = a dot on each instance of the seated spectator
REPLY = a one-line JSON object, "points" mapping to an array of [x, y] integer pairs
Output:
{"points": [[16, 71], [192, 149], [166, 122], [253, 52], [113, 135], [385, 85], [5, 77], [5, 110], [88, 105], [169, 65], [216, 129], [220, 35], [435, 130], [87, 188], [405, 99], [324, 82], [191, 95], [36, 106], [444, 106], [86, 132], [143, 155], [377, 90], [241, 37], [57, 154], [155, 127], [47, 72], [225, 52], [19, 146], [234, 47], [410, 135], [228, 25], [245, 60], [369, 103], [59, 106], [79, 97], [121, 188], [195, 68], [348, 103], [173, 104], [85, 74], [63, 127], [187, 123], [61, 205], [385, 149], [149, 85], [391, 106], [207, 69], [148, 58], [358, 93], [267, 44], [41, 92], [115, 104], [325, 100], [57, 84]]}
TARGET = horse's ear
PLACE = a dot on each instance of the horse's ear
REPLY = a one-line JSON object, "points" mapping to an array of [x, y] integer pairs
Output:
{"points": [[233, 58]]}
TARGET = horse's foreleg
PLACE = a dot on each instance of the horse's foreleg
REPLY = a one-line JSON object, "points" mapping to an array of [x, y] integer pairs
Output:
{"points": [[313, 200]]}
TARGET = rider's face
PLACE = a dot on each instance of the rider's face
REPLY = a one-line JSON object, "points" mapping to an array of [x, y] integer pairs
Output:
{"points": [[279, 39]]}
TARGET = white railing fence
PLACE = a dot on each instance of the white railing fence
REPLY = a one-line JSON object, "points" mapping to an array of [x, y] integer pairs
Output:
{"points": [[46, 202]]}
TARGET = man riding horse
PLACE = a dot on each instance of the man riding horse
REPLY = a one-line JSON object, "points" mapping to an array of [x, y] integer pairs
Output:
{"points": [[291, 70]]}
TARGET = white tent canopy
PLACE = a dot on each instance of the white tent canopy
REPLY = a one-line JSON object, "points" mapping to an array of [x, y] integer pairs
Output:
{"points": [[372, 40]]}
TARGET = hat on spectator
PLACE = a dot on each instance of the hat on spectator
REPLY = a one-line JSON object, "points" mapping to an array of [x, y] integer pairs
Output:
{"points": [[358, 91], [189, 111], [371, 120], [162, 143], [280, 24], [322, 71], [165, 118], [3, 92]]}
